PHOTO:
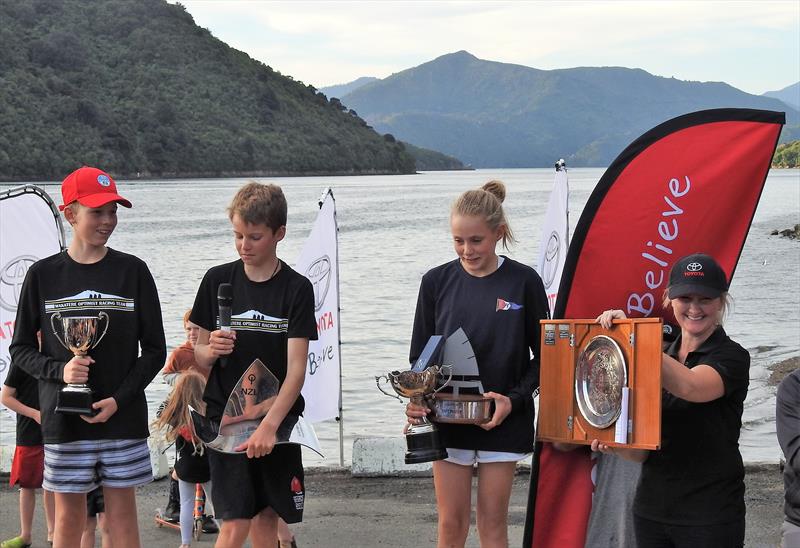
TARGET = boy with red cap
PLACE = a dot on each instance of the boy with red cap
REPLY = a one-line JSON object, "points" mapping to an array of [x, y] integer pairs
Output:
{"points": [[89, 279]]}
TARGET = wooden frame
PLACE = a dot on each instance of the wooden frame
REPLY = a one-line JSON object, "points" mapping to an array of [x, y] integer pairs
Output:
{"points": [[560, 418]]}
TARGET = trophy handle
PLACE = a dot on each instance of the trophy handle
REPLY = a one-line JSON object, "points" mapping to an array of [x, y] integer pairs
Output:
{"points": [[101, 315], [449, 377], [386, 379], [60, 338]]}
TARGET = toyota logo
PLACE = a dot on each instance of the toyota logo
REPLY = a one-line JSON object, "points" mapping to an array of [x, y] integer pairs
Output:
{"points": [[694, 267], [551, 254], [11, 277], [319, 274]]}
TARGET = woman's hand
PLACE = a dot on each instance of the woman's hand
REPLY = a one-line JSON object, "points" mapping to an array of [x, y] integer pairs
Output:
{"points": [[607, 318], [633, 455], [415, 414], [502, 408], [220, 342]]}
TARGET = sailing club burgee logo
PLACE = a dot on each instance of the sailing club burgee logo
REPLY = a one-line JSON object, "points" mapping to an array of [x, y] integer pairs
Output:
{"points": [[503, 305]]}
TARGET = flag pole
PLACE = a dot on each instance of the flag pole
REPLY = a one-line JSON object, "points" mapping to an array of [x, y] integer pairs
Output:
{"points": [[340, 418]]}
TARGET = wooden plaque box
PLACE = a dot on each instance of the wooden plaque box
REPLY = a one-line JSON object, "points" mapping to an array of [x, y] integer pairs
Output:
{"points": [[560, 416]]}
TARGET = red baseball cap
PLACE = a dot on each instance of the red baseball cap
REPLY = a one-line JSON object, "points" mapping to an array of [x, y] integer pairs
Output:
{"points": [[91, 187]]}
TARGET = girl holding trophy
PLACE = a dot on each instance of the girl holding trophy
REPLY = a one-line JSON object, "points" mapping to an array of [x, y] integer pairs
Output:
{"points": [[498, 302], [96, 307]]}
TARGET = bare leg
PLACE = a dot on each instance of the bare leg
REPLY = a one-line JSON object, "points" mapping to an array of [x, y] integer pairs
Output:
{"points": [[495, 480], [49, 512], [120, 516], [285, 536], [453, 484], [87, 539], [70, 519], [27, 504], [264, 529], [105, 533], [233, 533]]}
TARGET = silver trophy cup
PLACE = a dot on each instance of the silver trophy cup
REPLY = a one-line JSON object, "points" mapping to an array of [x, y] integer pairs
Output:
{"points": [[422, 440], [78, 334]]}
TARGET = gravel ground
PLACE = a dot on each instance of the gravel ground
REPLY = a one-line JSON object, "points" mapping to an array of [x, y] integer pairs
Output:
{"points": [[343, 511]]}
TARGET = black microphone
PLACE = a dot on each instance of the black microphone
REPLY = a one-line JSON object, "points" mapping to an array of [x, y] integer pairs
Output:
{"points": [[224, 302]]}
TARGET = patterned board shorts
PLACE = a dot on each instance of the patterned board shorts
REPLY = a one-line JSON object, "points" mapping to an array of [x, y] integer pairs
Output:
{"points": [[81, 466]]}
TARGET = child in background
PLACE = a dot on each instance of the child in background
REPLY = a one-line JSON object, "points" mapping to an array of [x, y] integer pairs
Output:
{"points": [[182, 358], [191, 466], [277, 305], [108, 448], [20, 394]]}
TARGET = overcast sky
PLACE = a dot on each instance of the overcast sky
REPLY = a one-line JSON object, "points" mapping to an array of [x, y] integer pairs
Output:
{"points": [[752, 45]]}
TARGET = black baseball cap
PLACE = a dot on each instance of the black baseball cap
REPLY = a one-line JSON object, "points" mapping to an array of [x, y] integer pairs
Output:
{"points": [[697, 274]]}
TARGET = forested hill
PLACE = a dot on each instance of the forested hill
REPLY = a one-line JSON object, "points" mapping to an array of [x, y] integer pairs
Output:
{"points": [[136, 87], [491, 114]]}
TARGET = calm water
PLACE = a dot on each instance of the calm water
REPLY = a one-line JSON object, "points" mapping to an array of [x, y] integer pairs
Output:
{"points": [[392, 229]]}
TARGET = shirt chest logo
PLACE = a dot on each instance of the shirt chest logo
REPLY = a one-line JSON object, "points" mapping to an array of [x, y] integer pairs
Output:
{"points": [[503, 305], [253, 320], [90, 299]]}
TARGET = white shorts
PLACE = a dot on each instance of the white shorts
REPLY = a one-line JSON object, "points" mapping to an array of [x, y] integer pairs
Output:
{"points": [[81, 466], [468, 457]]}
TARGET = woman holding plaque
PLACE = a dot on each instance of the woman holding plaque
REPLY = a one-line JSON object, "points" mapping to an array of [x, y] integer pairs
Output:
{"points": [[498, 302], [691, 491], [100, 318]]}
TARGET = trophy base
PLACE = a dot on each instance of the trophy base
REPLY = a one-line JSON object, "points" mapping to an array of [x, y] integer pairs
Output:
{"points": [[75, 400], [424, 444]]}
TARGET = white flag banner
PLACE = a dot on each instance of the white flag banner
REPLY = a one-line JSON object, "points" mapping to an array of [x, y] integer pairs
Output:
{"points": [[319, 262], [555, 236], [30, 229]]}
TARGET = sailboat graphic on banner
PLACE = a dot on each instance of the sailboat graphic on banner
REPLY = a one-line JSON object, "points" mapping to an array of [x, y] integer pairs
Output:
{"points": [[248, 403]]}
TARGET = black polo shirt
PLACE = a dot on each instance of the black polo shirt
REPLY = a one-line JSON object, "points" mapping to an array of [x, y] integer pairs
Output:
{"points": [[29, 433], [697, 478]]}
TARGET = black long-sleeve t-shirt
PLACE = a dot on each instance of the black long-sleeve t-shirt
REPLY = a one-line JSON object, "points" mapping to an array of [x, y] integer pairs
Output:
{"points": [[787, 421], [500, 315], [119, 286]]}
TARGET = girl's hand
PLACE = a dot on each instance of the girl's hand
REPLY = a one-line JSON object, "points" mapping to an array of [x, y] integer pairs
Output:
{"points": [[221, 342], [76, 371], [37, 416], [105, 409], [260, 443], [502, 408], [606, 318], [633, 455]]}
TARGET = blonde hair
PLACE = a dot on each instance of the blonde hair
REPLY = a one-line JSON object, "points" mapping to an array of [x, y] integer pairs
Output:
{"points": [[486, 203], [257, 203], [175, 416], [186, 316]]}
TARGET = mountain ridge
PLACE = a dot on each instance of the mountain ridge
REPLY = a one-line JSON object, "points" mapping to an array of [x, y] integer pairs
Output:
{"points": [[492, 114]]}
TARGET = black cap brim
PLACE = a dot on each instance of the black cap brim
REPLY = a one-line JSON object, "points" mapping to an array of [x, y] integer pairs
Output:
{"points": [[682, 290]]}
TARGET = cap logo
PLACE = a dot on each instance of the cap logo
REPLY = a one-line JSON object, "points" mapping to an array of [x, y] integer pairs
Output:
{"points": [[103, 180], [694, 267]]}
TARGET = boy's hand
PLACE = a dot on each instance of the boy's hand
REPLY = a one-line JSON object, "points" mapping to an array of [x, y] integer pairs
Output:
{"points": [[260, 443], [221, 342], [105, 409], [37, 416], [76, 371]]}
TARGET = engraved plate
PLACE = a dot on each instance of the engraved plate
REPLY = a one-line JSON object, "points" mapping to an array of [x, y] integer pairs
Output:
{"points": [[549, 334], [600, 375]]}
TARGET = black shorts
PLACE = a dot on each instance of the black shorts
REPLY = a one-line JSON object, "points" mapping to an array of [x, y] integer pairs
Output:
{"points": [[244, 487]]}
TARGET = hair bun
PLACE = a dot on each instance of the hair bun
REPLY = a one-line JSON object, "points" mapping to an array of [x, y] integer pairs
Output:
{"points": [[496, 188]]}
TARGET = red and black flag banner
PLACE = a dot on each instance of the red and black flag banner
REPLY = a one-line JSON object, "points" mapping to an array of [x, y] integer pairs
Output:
{"points": [[689, 185]]}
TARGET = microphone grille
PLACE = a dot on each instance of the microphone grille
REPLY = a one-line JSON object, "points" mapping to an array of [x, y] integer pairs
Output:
{"points": [[225, 291]]}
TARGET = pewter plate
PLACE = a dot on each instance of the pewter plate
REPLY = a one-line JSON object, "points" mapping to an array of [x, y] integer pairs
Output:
{"points": [[600, 374]]}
